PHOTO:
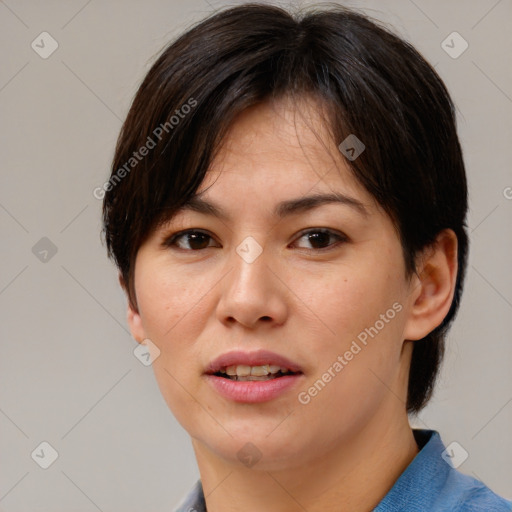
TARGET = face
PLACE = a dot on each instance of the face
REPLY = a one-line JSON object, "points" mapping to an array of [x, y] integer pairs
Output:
{"points": [[309, 297]]}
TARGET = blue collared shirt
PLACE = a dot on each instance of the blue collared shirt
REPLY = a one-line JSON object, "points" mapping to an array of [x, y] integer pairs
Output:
{"points": [[428, 484]]}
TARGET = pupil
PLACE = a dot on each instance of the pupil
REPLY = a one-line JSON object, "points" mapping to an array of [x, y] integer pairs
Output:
{"points": [[319, 237], [195, 240]]}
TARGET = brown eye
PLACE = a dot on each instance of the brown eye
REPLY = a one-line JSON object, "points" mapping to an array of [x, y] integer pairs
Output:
{"points": [[194, 240], [319, 238], [190, 240]]}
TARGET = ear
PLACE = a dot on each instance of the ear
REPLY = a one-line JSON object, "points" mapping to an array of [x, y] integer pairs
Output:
{"points": [[433, 286], [132, 315]]}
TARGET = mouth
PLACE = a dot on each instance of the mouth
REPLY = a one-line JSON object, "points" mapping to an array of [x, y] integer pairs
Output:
{"points": [[252, 377], [244, 372]]}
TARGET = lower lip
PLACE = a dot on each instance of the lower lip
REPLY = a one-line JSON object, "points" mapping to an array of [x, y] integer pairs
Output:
{"points": [[253, 391]]}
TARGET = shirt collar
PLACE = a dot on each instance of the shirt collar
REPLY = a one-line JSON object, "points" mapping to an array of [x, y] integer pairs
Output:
{"points": [[422, 478]]}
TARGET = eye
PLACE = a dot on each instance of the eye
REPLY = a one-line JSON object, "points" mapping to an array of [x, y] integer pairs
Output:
{"points": [[196, 240], [320, 237]]}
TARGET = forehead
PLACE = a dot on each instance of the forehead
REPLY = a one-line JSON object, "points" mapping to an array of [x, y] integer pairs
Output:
{"points": [[282, 145]]}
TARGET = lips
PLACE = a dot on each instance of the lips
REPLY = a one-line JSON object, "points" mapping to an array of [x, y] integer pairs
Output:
{"points": [[252, 377]]}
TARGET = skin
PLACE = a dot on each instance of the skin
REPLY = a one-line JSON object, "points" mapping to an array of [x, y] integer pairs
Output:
{"points": [[345, 448]]}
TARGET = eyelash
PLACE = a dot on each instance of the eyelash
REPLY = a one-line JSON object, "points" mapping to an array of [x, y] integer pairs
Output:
{"points": [[341, 238]]}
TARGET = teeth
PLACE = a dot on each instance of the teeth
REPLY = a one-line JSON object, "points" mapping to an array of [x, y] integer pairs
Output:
{"points": [[243, 370], [259, 371], [230, 370]]}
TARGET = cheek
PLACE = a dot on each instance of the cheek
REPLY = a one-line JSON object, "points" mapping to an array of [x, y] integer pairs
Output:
{"points": [[165, 299], [170, 310], [342, 302], [361, 305], [173, 317]]}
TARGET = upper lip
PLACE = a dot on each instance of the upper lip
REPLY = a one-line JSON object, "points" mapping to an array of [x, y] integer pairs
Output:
{"points": [[257, 358]]}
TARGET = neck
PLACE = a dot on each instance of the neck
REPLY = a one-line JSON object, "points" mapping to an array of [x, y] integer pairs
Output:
{"points": [[353, 477]]}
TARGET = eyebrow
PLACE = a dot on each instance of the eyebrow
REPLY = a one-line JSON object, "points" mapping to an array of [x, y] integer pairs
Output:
{"points": [[282, 209]]}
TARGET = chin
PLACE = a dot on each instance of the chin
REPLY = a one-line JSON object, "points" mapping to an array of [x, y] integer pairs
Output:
{"points": [[256, 445]]}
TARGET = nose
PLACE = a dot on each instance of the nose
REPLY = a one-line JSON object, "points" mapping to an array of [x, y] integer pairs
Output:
{"points": [[252, 294]]}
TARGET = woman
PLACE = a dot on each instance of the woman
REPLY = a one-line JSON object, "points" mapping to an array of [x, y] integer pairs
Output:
{"points": [[287, 211]]}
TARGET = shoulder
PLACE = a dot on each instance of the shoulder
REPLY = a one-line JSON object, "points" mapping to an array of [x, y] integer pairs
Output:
{"points": [[431, 482], [463, 493]]}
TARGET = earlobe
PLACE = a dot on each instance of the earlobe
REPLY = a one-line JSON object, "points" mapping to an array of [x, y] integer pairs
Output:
{"points": [[433, 289], [135, 324], [132, 315]]}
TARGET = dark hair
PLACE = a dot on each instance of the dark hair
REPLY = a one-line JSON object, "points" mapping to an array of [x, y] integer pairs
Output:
{"points": [[375, 85]]}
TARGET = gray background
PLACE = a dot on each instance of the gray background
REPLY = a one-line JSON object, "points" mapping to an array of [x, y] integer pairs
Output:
{"points": [[68, 373]]}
